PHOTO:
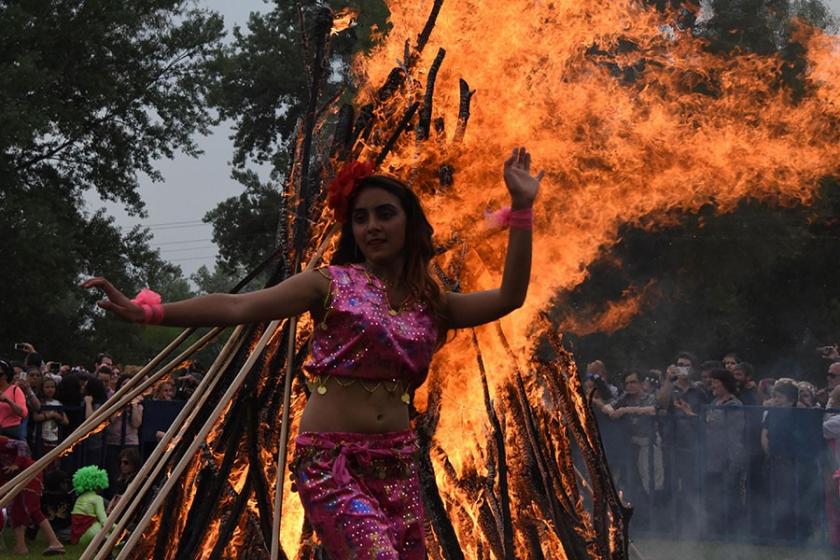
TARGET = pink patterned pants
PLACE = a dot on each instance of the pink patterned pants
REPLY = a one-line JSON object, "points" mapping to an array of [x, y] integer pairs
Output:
{"points": [[361, 494]]}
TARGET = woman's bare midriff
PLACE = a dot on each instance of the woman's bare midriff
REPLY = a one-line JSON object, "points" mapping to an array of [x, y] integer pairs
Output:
{"points": [[353, 408]]}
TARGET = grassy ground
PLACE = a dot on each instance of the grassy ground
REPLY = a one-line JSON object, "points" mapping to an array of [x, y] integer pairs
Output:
{"points": [[648, 549], [7, 544], [694, 550]]}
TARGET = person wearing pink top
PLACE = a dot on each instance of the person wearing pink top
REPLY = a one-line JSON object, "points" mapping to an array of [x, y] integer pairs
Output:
{"points": [[379, 315], [12, 403]]}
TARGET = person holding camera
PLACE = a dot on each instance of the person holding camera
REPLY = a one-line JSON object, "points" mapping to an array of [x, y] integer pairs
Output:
{"points": [[12, 403]]}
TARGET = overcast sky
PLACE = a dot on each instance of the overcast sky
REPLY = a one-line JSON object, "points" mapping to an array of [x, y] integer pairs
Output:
{"points": [[192, 187]]}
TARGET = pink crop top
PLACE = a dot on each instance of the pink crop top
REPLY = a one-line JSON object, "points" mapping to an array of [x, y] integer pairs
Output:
{"points": [[362, 337]]}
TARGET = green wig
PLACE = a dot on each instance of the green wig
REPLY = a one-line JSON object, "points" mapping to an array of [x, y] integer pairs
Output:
{"points": [[90, 479]]}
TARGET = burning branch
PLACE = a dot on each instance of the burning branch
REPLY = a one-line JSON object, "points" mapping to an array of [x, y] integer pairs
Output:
{"points": [[425, 123], [464, 111]]}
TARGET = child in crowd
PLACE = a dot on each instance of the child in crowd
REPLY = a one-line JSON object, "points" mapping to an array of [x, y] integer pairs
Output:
{"points": [[88, 515], [57, 502], [50, 416], [164, 391], [25, 509]]}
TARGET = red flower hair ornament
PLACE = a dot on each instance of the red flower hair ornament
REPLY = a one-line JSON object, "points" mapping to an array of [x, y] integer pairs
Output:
{"points": [[343, 186]]}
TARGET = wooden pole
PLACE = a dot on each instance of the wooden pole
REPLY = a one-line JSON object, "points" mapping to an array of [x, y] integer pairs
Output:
{"points": [[154, 463], [284, 440], [199, 439], [287, 398]]}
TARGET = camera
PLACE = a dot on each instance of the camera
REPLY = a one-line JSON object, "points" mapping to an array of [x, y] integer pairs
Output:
{"points": [[20, 346], [23, 375]]}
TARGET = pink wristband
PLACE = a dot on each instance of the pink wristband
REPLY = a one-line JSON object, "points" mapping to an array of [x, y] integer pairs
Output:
{"points": [[515, 219], [522, 219], [150, 303], [152, 314]]}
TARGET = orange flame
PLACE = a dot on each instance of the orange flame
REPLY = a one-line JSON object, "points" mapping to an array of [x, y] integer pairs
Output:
{"points": [[626, 135], [343, 20]]}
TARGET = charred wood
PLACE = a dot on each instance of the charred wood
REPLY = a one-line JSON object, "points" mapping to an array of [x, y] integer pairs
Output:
{"points": [[446, 176], [261, 493], [401, 127], [424, 36], [232, 520], [363, 124], [463, 111], [393, 83], [319, 34], [499, 438], [432, 502], [343, 138], [424, 124], [199, 516]]}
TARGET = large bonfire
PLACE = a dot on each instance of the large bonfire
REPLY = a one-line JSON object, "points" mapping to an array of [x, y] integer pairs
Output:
{"points": [[632, 117]]}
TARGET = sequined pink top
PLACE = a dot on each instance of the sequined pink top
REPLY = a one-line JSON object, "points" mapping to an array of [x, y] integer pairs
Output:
{"points": [[361, 337]]}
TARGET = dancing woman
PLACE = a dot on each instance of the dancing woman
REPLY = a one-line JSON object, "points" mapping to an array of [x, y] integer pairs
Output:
{"points": [[379, 315]]}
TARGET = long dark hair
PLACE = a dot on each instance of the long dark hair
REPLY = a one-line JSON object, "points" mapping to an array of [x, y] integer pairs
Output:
{"points": [[96, 389], [69, 391], [418, 248]]}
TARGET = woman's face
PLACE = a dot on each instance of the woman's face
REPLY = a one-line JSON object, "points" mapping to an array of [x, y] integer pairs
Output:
{"points": [[168, 392], [378, 221]]}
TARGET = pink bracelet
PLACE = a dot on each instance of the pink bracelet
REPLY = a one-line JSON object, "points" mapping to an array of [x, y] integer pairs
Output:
{"points": [[522, 219], [150, 303], [515, 219]]}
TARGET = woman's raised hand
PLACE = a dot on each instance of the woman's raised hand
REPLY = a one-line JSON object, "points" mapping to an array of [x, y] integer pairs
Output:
{"points": [[521, 184], [115, 301]]}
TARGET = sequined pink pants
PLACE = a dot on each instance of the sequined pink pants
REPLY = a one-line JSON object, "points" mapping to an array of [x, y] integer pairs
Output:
{"points": [[361, 494]]}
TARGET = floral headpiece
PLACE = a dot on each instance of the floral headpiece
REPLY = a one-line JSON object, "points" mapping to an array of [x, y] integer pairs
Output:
{"points": [[343, 186]]}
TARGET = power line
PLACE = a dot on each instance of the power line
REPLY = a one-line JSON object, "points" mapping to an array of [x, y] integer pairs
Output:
{"points": [[173, 223], [168, 228], [184, 242], [192, 259], [187, 249]]}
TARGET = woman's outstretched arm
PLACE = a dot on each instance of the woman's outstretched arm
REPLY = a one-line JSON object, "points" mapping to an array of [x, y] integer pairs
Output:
{"points": [[469, 310], [297, 294]]}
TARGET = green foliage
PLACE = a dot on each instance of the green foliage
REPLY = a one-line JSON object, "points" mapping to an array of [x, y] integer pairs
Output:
{"points": [[245, 227], [263, 88], [91, 94], [217, 281]]}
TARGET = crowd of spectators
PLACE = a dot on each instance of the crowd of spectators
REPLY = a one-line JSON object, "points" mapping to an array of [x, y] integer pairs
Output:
{"points": [[41, 403], [711, 449]]}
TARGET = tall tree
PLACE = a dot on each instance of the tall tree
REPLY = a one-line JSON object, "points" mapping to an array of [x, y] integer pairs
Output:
{"points": [[91, 94], [263, 89]]}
